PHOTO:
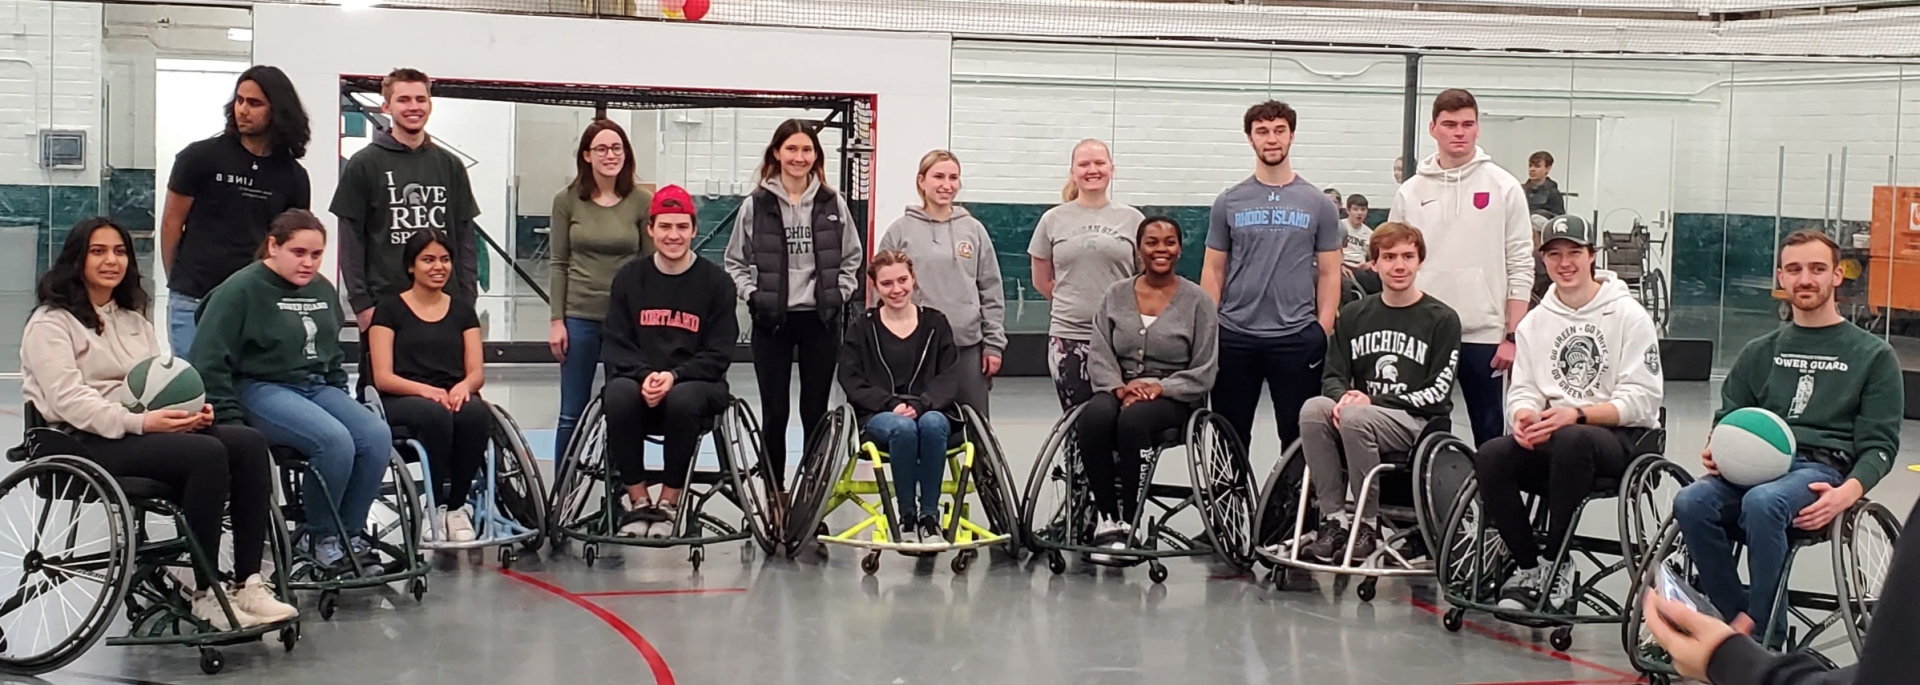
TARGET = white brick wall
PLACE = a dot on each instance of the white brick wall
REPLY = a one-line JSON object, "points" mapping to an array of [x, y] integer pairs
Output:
{"points": [[50, 74], [717, 151], [1817, 111]]}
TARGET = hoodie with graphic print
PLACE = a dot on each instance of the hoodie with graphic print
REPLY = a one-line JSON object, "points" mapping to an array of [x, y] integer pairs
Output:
{"points": [[388, 192], [1838, 387], [957, 272], [1607, 351], [1479, 240]]}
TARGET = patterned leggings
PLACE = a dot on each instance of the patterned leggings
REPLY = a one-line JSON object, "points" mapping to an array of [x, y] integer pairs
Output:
{"points": [[1067, 361]]}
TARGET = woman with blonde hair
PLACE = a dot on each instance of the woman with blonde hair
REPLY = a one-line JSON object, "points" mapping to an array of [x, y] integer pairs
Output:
{"points": [[1079, 249], [958, 272]]}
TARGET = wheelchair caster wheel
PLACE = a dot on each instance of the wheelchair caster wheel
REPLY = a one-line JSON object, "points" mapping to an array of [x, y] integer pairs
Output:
{"points": [[591, 552], [1368, 590], [1454, 620], [418, 588], [329, 600], [1157, 572], [962, 561], [870, 564], [507, 558], [211, 660], [1056, 563], [289, 636], [1562, 638], [696, 557]]}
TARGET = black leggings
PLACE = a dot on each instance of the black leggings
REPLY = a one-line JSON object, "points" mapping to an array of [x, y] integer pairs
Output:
{"points": [[677, 419], [205, 468], [456, 443], [1114, 444], [1564, 469], [773, 357]]}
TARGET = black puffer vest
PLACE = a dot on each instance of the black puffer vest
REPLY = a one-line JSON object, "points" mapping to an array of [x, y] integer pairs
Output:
{"points": [[769, 252]]}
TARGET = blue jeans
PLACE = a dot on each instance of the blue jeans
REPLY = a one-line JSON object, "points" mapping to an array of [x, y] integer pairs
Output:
{"points": [[180, 326], [576, 378], [347, 445], [918, 450], [1712, 512]]}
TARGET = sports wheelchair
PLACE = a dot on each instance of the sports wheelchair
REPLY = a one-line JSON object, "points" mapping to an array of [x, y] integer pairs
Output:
{"points": [[1057, 513], [1632, 256], [846, 465], [1862, 541], [585, 502], [1414, 486], [509, 501], [1472, 561], [79, 547], [392, 534]]}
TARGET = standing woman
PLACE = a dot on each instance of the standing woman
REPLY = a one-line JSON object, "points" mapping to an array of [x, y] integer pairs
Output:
{"points": [[597, 228], [1079, 249], [958, 273], [795, 257], [268, 348]]}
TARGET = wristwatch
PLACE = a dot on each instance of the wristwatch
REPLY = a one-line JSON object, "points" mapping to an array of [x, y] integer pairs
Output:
{"points": [[1509, 336], [1582, 412]]}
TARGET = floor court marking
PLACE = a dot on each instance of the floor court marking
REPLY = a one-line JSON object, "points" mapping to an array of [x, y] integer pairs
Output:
{"points": [[1601, 681], [659, 593], [661, 674], [1619, 675]]}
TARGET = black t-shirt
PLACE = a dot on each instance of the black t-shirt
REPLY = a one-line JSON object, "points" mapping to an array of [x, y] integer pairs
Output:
{"points": [[235, 196], [430, 352], [902, 355]]}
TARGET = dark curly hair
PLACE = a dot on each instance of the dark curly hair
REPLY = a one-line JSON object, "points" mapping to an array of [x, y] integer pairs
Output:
{"points": [[64, 285], [287, 127]]}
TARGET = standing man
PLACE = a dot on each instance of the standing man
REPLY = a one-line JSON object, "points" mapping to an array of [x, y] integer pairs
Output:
{"points": [[1475, 216], [1273, 265], [399, 184], [1543, 195], [227, 189]]}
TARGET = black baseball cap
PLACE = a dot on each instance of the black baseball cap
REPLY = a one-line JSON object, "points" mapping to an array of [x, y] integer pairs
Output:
{"points": [[1570, 228]]}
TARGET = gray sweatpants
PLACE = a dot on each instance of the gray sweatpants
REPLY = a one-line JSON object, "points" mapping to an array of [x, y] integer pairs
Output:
{"points": [[1364, 432]]}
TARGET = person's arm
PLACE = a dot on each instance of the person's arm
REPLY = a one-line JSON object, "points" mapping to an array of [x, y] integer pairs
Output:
{"points": [[1337, 376], [719, 332], [1556, 201], [334, 356], [466, 262], [560, 251], [1213, 275], [1040, 251], [173, 224], [993, 299], [865, 397], [47, 352], [1636, 398], [1194, 382], [943, 387], [619, 346], [1744, 380], [221, 323], [852, 253], [1103, 368], [1213, 265], [1437, 387], [474, 359], [1522, 393], [1042, 276], [739, 254], [380, 350], [1519, 249], [1876, 433], [1327, 289], [1397, 212]]}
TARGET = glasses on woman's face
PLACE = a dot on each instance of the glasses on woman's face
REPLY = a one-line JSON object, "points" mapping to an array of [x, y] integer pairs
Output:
{"points": [[608, 150]]}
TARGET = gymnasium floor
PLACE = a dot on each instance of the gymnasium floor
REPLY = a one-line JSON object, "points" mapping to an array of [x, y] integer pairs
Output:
{"points": [[648, 617]]}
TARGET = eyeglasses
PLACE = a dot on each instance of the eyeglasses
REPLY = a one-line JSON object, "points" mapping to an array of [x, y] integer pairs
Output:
{"points": [[606, 150]]}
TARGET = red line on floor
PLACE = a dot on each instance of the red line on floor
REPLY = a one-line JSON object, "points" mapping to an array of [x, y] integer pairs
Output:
{"points": [[661, 674], [657, 593], [1601, 681], [1623, 676]]}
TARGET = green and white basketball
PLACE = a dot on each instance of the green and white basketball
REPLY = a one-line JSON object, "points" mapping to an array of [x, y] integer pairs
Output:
{"points": [[166, 382], [1752, 446]]}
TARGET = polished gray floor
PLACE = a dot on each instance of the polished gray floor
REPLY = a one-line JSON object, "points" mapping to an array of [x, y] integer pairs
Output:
{"points": [[648, 616]]}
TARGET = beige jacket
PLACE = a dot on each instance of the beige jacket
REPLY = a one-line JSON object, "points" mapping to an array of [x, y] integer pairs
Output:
{"points": [[78, 377]]}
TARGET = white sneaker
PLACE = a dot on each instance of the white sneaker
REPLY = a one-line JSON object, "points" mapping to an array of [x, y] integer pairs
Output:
{"points": [[254, 597], [206, 607], [1112, 535], [435, 530], [663, 529], [459, 525]]}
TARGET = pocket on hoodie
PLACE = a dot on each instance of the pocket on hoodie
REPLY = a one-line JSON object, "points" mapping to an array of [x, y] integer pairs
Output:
{"points": [[1470, 294]]}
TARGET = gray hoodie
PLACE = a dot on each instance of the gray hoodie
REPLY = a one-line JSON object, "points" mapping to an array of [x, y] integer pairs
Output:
{"points": [[958, 273], [799, 220]]}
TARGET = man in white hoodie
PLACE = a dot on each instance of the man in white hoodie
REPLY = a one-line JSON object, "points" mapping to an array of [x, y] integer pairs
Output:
{"points": [[1585, 400], [1466, 205]]}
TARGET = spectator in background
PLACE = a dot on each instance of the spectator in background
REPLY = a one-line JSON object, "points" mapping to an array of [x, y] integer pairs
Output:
{"points": [[1399, 169], [1542, 193], [1353, 257], [1338, 203]]}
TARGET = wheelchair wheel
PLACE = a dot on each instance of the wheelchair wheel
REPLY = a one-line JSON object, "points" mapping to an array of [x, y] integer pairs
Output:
{"points": [[1442, 466], [820, 470], [1863, 543], [1665, 550], [1646, 502], [1656, 298], [521, 494], [1471, 560], [394, 522], [994, 480], [737, 437], [1279, 506], [578, 475], [1056, 508], [67, 553], [1222, 487]]}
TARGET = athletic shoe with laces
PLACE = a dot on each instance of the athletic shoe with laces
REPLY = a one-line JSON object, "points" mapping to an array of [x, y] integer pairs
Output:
{"points": [[1107, 533], [663, 528], [930, 533], [459, 525], [364, 552], [206, 607], [1366, 538], [328, 554], [1328, 542], [1561, 591], [255, 598], [637, 521], [1522, 588]]}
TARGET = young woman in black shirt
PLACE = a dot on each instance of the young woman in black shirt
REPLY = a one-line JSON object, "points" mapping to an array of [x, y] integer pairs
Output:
{"points": [[427, 365]]}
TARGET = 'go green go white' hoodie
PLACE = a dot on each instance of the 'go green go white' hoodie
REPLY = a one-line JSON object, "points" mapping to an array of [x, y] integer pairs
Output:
{"points": [[1607, 351], [1479, 240]]}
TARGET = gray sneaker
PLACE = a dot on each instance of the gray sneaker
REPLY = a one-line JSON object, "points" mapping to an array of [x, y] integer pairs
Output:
{"points": [[1522, 588], [1561, 592]]}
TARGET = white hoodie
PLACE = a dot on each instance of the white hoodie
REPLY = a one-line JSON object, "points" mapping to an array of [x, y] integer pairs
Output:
{"points": [[1607, 351], [1479, 240]]}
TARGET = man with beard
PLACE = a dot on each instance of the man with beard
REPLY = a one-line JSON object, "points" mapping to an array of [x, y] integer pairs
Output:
{"points": [[1273, 266], [1838, 389]]}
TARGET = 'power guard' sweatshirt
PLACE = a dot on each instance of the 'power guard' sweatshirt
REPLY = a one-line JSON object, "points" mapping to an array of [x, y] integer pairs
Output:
{"points": [[1479, 240]]}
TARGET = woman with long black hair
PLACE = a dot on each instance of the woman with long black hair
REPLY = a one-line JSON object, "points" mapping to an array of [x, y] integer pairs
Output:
{"points": [[795, 257]]}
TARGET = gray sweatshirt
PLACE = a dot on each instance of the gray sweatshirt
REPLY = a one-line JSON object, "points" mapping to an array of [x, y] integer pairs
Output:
{"points": [[958, 273], [799, 221], [1180, 349]]}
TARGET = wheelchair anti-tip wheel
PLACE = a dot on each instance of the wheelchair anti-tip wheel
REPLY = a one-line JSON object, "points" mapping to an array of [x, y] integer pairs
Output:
{"points": [[67, 564]]}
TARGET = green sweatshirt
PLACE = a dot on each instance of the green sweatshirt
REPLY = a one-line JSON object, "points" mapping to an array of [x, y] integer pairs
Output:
{"points": [[258, 327], [1837, 387], [1401, 357]]}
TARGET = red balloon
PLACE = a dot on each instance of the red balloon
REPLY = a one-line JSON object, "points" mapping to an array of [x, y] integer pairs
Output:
{"points": [[697, 9]]}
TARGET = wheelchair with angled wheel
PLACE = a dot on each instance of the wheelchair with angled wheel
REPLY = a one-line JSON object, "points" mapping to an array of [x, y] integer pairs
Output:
{"points": [[846, 465], [83, 546], [1058, 514], [585, 504], [391, 535], [508, 500]]}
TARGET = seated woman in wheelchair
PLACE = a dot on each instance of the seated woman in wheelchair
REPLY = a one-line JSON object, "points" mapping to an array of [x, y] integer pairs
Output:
{"points": [[87, 333], [1390, 369], [667, 342], [899, 371], [1152, 362], [1586, 388], [428, 367], [268, 348]]}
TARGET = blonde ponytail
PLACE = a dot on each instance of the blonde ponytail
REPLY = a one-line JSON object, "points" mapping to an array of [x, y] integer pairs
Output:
{"points": [[1072, 191]]}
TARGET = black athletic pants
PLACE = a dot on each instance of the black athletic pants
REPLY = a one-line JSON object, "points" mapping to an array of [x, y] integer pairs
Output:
{"points": [[456, 443], [1289, 366], [206, 469], [1114, 444], [677, 419], [818, 343], [1563, 469]]}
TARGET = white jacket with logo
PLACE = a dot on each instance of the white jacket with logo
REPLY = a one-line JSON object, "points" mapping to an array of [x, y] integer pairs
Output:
{"points": [[1479, 240], [1607, 351]]}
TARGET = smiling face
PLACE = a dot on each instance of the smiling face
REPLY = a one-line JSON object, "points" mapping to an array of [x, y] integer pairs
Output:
{"points": [[1092, 168], [1456, 132], [672, 234], [1808, 275], [797, 156], [1271, 140], [607, 154], [941, 183], [297, 259], [1569, 265], [409, 104], [894, 283], [106, 260], [432, 267], [251, 111], [1159, 248], [1397, 265]]}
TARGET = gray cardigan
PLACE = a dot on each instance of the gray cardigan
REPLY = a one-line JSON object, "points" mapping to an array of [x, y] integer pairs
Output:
{"points": [[1180, 349]]}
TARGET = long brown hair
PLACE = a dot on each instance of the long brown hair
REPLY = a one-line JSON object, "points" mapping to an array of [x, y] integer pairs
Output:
{"points": [[770, 160], [288, 223], [583, 184]]}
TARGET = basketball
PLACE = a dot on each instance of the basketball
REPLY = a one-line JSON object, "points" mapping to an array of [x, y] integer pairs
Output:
{"points": [[689, 10], [1752, 446], [166, 382]]}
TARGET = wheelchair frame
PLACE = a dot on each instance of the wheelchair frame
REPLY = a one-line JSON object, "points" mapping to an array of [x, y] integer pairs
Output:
{"points": [[1631, 257], [494, 524], [397, 494]]}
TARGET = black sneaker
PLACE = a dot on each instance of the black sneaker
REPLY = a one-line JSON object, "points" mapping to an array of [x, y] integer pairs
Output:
{"points": [[1366, 538], [1329, 541], [930, 533]]}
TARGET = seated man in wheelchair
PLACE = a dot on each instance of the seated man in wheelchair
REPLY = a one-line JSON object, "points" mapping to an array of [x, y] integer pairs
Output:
{"points": [[88, 332], [1586, 388], [1390, 370], [667, 342], [898, 368], [428, 367], [1838, 388], [1152, 362]]}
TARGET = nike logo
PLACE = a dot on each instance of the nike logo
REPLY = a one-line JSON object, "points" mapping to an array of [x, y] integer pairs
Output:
{"points": [[1424, 203], [1315, 364]]}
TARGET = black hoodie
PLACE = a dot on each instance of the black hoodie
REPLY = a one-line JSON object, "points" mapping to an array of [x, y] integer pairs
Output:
{"points": [[873, 386], [387, 192]]}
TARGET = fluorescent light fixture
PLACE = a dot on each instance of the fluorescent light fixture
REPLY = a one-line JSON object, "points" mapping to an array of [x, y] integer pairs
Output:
{"points": [[240, 35]]}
